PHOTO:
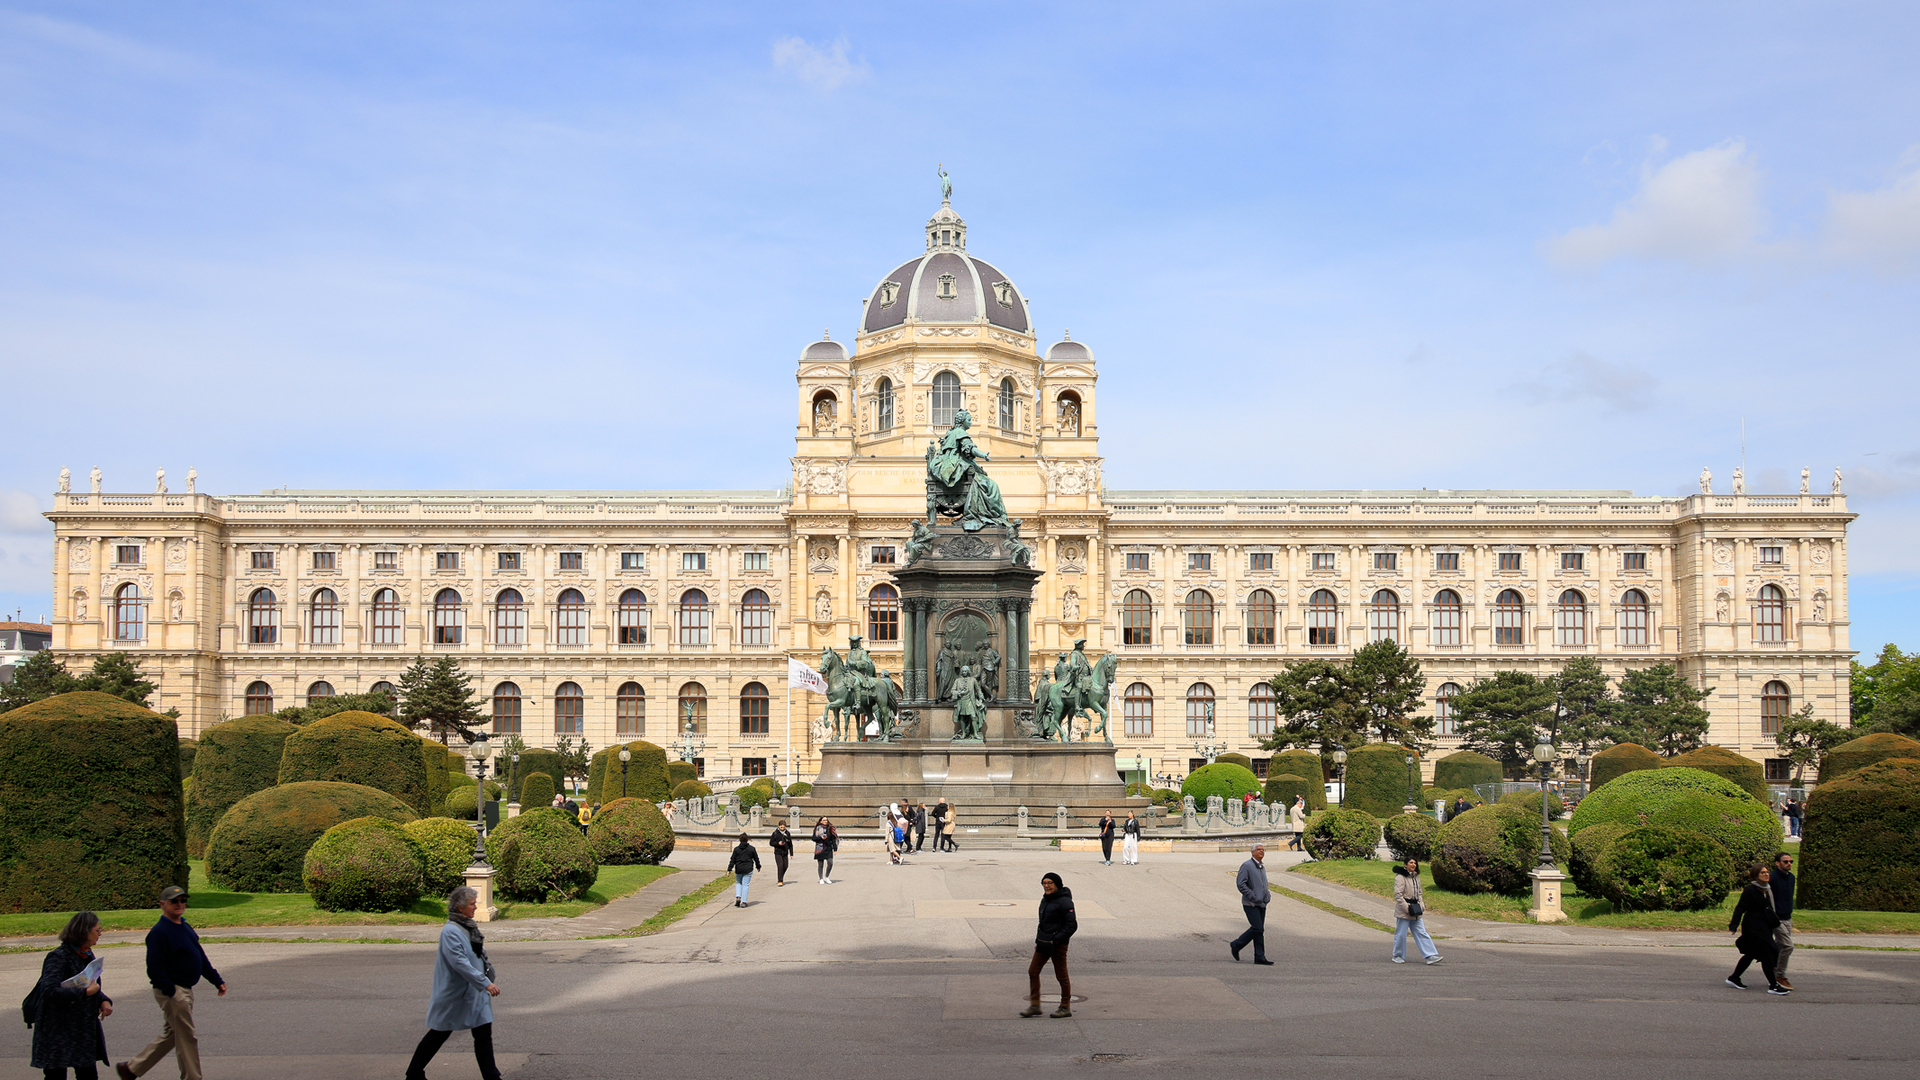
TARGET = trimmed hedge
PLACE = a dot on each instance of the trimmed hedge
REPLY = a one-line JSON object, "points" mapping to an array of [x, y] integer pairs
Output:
{"points": [[360, 748], [679, 772], [1300, 763], [691, 789], [1738, 768], [801, 789], [438, 760], [460, 779], [1222, 778], [1588, 847], [237, 758], [536, 791], [447, 846], [367, 864], [260, 845], [1492, 849], [541, 856], [188, 748], [1241, 760], [1342, 834], [1377, 778], [1859, 753], [461, 800], [646, 773], [1465, 769], [1282, 789], [536, 760], [751, 796], [1652, 868], [1686, 799], [91, 805], [1619, 760], [1530, 802], [628, 831], [1861, 849], [1411, 836]]}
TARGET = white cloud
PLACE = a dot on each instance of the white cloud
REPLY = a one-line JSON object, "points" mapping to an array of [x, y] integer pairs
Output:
{"points": [[1878, 229], [1703, 207], [1620, 388], [26, 544], [822, 69]]}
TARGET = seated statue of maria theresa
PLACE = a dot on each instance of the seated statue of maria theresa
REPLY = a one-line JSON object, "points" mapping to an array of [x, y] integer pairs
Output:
{"points": [[956, 482]]}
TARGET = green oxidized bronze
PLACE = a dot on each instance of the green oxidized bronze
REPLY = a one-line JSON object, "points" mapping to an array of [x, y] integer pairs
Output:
{"points": [[957, 485]]}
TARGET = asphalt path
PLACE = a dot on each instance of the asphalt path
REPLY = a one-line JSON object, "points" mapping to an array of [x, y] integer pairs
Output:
{"points": [[919, 971]]}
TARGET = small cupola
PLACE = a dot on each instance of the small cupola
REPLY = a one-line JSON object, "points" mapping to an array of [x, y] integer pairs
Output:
{"points": [[945, 230]]}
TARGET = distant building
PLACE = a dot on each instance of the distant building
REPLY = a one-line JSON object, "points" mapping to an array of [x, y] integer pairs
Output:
{"points": [[19, 640]]}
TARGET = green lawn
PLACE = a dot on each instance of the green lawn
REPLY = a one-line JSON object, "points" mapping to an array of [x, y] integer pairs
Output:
{"points": [[1376, 877], [213, 907]]}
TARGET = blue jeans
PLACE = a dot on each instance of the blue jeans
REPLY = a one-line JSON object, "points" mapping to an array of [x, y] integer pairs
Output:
{"points": [[1794, 822], [1419, 929], [1256, 931], [740, 883]]}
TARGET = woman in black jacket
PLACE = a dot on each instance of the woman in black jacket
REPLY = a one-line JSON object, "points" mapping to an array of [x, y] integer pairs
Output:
{"points": [[1106, 838], [826, 839], [68, 1033], [743, 862], [782, 844], [1753, 922], [1057, 924]]}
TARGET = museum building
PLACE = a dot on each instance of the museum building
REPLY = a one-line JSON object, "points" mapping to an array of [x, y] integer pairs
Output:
{"points": [[614, 615]]}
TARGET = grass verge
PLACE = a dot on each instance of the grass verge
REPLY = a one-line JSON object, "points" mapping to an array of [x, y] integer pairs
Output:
{"points": [[1331, 909], [680, 908]]}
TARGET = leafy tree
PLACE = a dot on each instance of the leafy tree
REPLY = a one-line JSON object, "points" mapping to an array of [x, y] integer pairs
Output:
{"points": [[41, 676], [1388, 691], [1659, 709], [1322, 705], [1503, 717], [1583, 706], [118, 674], [380, 703], [1886, 694], [1802, 738], [503, 766], [576, 759], [438, 696]]}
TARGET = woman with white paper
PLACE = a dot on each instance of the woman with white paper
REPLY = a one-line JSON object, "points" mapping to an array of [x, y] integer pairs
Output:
{"points": [[67, 1032]]}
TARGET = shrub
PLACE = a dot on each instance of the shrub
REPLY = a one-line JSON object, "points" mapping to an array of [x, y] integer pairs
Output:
{"points": [[188, 748], [536, 791], [628, 831], [1491, 849], [1222, 778], [1342, 834], [679, 772], [691, 789], [1304, 763], [90, 805], [463, 803], [800, 789], [1465, 769], [460, 779], [237, 758], [1282, 789], [769, 783], [541, 856], [260, 845], [751, 796], [366, 864], [1241, 760], [1411, 836], [1530, 802], [438, 759], [1686, 799], [1738, 768], [1377, 778], [1651, 868], [1619, 760], [1139, 789], [359, 748], [646, 773], [536, 760], [447, 846], [1861, 850], [1864, 751], [1588, 847]]}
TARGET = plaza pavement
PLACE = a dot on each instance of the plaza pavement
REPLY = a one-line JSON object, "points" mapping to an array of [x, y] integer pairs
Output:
{"points": [[917, 971]]}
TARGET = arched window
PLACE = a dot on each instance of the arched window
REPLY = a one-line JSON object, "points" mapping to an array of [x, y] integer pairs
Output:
{"points": [[693, 706], [1509, 618], [259, 698], [1776, 702], [446, 617], [569, 710], [381, 687], [1633, 618], [506, 709], [753, 709], [1323, 618], [1138, 711], [570, 618], [130, 613], [633, 617], [386, 617], [630, 710], [1446, 617], [883, 613], [1770, 614], [1260, 710], [319, 691], [1260, 618], [1136, 618], [1197, 613], [946, 398], [1383, 616], [1067, 411], [696, 618], [883, 405], [323, 618], [756, 618], [263, 618], [1006, 404], [825, 411], [509, 618], [1444, 720], [1570, 619], [1199, 709]]}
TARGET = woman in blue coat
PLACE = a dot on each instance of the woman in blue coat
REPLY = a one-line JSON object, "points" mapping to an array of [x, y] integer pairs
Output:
{"points": [[463, 989]]}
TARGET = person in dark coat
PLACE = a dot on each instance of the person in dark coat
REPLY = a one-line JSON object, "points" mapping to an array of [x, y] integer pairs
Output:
{"points": [[1106, 838], [1781, 881], [1754, 923], [782, 844], [826, 840], [742, 863], [175, 965], [919, 827], [67, 1034], [1057, 925]]}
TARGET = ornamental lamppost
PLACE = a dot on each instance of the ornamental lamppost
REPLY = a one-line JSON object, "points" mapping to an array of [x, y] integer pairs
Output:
{"points": [[513, 778], [1545, 754], [1412, 806], [1209, 749], [1340, 771], [626, 755], [690, 747], [1547, 878], [480, 750]]}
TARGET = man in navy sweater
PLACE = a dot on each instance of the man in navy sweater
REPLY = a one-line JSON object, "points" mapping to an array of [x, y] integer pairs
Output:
{"points": [[175, 963]]}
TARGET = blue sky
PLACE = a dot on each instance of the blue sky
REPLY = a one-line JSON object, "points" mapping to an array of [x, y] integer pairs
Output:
{"points": [[580, 245]]}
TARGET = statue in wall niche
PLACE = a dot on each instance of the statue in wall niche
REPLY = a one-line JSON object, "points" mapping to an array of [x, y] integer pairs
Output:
{"points": [[1739, 480], [79, 606], [1069, 417], [1806, 480], [1070, 606], [193, 479], [990, 672], [1836, 482], [823, 417], [94, 478], [958, 484], [1820, 607], [177, 609], [944, 668], [66, 479], [969, 707], [1722, 609], [822, 606], [1706, 481]]}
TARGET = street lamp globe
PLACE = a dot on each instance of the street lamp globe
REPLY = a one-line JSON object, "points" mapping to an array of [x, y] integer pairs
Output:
{"points": [[1340, 767], [480, 750], [626, 755], [1543, 751]]}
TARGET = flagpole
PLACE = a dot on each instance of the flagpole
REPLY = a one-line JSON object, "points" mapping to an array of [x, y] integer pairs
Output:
{"points": [[789, 781]]}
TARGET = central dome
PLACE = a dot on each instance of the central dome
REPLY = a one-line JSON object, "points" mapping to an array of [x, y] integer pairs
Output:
{"points": [[946, 285]]}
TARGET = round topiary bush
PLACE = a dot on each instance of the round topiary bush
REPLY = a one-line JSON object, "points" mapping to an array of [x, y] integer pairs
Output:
{"points": [[1686, 799], [1411, 836], [91, 806], [533, 759], [1166, 796], [1651, 868], [447, 846], [1588, 847], [239, 757], [629, 831], [260, 845], [536, 791], [1492, 849], [1738, 768], [800, 789], [646, 773], [691, 789], [751, 796], [1861, 849], [1241, 760], [1864, 751], [360, 748], [1302, 763], [463, 803], [1283, 788], [541, 856], [438, 760], [1464, 769], [679, 772], [366, 864], [1222, 778], [1377, 778], [1619, 760], [1342, 834], [1530, 802], [459, 779]]}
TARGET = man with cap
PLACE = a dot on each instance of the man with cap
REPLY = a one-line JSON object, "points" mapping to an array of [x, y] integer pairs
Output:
{"points": [[175, 964]]}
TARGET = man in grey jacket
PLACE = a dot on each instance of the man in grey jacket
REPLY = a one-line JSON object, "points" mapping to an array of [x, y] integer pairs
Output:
{"points": [[1253, 900]]}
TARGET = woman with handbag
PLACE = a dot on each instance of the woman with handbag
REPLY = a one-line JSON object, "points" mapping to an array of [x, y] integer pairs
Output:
{"points": [[1409, 914], [825, 840], [1754, 923], [67, 1032]]}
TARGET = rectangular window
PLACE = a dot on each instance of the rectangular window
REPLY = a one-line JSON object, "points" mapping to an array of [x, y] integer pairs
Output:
{"points": [[1194, 763], [1260, 560], [1509, 560], [693, 560], [1199, 560], [1779, 770], [446, 560], [323, 560], [882, 556], [1137, 560], [757, 560], [127, 554], [699, 766], [1770, 556], [1634, 560], [1573, 560], [386, 560], [1446, 560], [1260, 768], [571, 560], [262, 560], [509, 560], [635, 560], [753, 766], [1386, 560], [1323, 560]]}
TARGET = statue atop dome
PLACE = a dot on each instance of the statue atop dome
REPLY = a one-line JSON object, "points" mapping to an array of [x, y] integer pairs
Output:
{"points": [[946, 183], [956, 483]]}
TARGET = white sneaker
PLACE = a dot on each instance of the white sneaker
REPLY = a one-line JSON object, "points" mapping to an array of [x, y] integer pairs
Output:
{"points": [[1399, 959], [1434, 959]]}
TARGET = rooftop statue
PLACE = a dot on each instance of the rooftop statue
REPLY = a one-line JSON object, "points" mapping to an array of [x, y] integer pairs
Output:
{"points": [[956, 482], [946, 182]]}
